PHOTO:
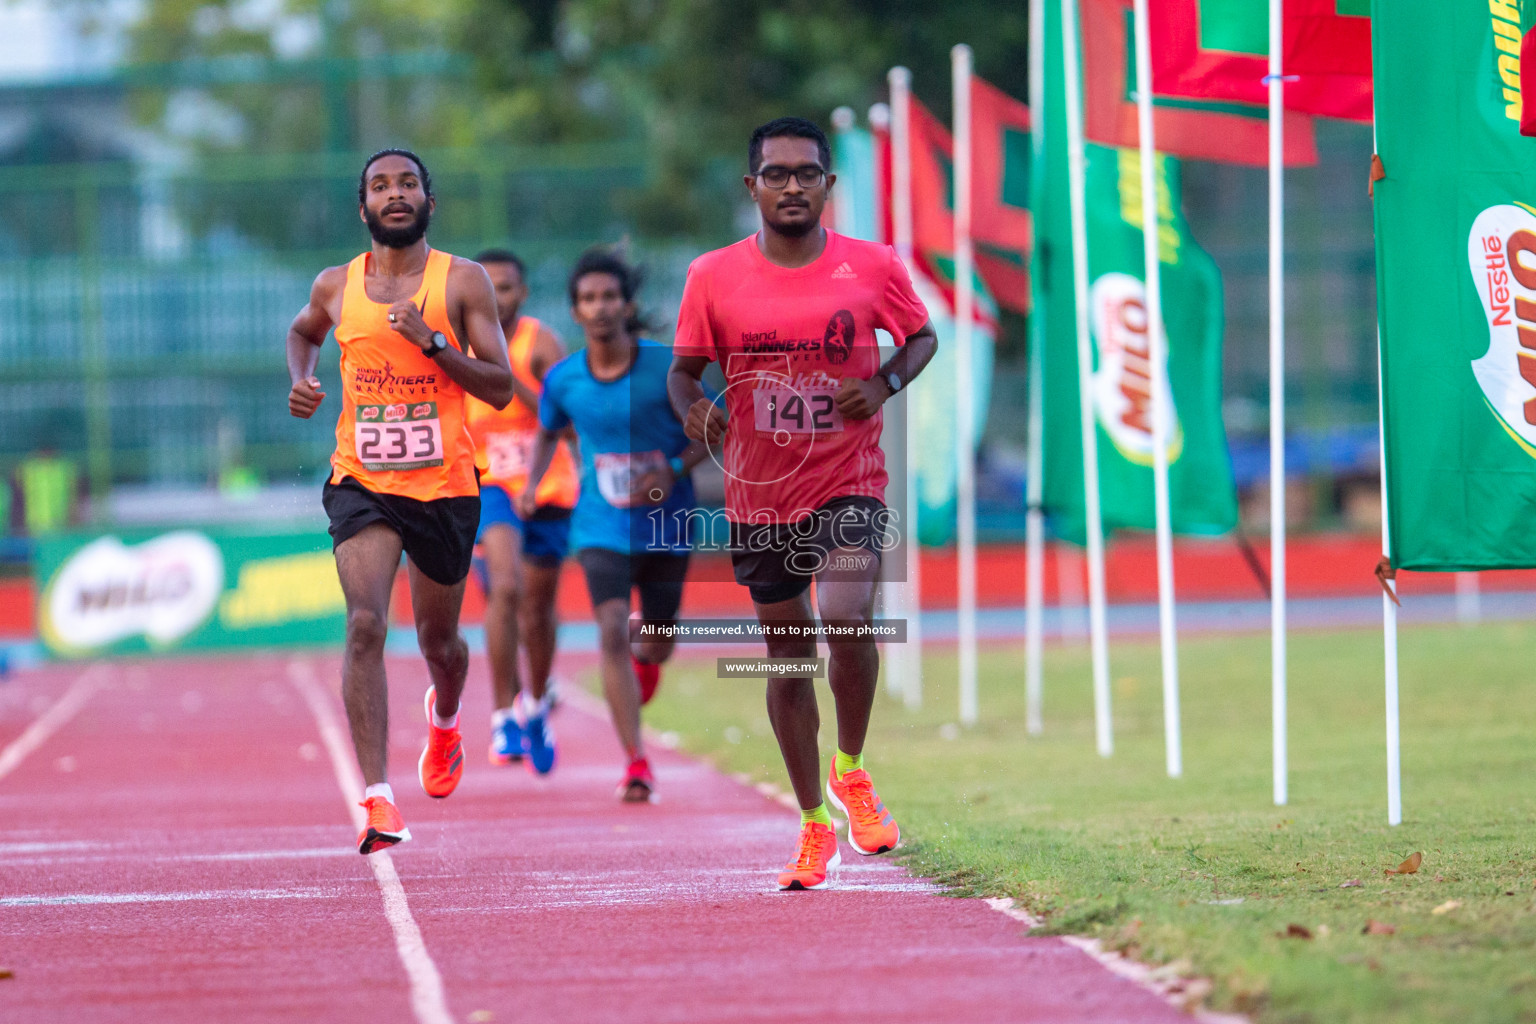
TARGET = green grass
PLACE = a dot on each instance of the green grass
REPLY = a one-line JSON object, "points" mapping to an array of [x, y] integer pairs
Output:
{"points": [[1113, 848]]}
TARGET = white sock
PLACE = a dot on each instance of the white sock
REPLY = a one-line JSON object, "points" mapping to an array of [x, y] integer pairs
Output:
{"points": [[534, 707], [444, 723], [380, 789], [499, 716]]}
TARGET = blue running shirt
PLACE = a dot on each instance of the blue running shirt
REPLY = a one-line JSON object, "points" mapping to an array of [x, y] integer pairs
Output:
{"points": [[625, 427]]}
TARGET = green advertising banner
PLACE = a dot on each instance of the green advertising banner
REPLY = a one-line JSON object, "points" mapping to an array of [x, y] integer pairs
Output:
{"points": [[1202, 494], [158, 591], [1456, 285]]}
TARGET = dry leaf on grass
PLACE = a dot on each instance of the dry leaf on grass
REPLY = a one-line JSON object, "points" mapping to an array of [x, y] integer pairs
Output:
{"points": [[1353, 883], [1446, 907], [1375, 927], [1295, 931], [1409, 866]]}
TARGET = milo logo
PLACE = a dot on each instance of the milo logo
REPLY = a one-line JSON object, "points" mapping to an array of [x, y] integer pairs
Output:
{"points": [[368, 412], [1501, 251], [394, 413], [422, 411], [1122, 383]]}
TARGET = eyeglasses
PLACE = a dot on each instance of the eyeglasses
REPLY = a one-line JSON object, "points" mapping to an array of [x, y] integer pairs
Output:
{"points": [[776, 177]]}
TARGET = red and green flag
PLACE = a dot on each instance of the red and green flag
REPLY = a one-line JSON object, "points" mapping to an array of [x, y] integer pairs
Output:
{"points": [[1001, 231], [1219, 49], [1196, 128]]}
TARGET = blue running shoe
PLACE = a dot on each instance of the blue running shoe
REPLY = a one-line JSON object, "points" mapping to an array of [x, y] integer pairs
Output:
{"points": [[539, 743], [506, 739]]}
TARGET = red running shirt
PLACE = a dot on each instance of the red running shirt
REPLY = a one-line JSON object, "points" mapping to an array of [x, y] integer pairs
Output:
{"points": [[786, 339]]}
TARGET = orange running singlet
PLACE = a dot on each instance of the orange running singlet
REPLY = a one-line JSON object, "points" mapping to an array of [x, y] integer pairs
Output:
{"points": [[504, 438], [402, 427]]}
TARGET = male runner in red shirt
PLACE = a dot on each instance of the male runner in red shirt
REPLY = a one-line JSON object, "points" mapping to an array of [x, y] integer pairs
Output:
{"points": [[790, 314]]}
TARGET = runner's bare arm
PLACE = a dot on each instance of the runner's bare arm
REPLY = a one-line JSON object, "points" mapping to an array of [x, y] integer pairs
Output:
{"points": [[305, 336], [861, 399], [543, 454], [702, 419], [483, 370], [547, 351]]}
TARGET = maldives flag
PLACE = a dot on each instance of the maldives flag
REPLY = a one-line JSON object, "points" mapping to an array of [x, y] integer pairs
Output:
{"points": [[1001, 230], [933, 212], [1219, 49], [1197, 128]]}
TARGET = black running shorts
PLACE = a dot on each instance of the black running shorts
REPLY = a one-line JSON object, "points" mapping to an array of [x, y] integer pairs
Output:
{"points": [[658, 574], [438, 535], [777, 561]]}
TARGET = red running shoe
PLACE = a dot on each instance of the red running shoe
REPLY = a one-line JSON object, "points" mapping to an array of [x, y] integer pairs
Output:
{"points": [[649, 676], [639, 785], [384, 828], [442, 763]]}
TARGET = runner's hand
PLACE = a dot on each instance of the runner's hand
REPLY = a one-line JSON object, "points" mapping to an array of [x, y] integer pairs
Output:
{"points": [[706, 422], [860, 399], [652, 488], [405, 320], [305, 398], [526, 504]]}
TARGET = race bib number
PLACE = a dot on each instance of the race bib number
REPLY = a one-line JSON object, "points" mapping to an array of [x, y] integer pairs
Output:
{"points": [[403, 436], [796, 411], [509, 453], [617, 473]]}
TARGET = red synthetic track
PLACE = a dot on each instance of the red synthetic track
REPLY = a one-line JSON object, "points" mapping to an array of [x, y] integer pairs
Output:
{"points": [[179, 850]]}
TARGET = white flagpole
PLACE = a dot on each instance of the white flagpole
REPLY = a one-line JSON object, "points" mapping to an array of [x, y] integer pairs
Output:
{"points": [[1034, 516], [1280, 745], [900, 80], [1389, 623], [965, 385], [1388, 604], [1076, 169], [1162, 404], [1469, 598], [892, 593]]}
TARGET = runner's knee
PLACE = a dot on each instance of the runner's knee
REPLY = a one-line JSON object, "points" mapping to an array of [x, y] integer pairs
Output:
{"points": [[366, 632]]}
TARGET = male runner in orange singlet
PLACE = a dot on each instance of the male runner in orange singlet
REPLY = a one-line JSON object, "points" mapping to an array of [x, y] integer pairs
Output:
{"points": [[522, 557], [403, 475], [790, 314]]}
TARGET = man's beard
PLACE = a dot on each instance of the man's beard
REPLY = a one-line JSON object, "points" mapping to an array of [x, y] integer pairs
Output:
{"points": [[402, 237], [797, 229]]}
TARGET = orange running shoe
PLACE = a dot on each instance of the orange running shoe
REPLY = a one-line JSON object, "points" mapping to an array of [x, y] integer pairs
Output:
{"points": [[815, 857], [385, 827], [442, 763], [871, 829]]}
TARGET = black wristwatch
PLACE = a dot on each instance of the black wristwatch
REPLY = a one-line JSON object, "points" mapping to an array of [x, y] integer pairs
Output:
{"points": [[439, 343], [893, 382]]}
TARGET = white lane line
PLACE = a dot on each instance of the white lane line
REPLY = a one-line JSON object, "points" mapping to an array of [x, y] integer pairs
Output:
{"points": [[97, 898], [427, 998], [52, 720]]}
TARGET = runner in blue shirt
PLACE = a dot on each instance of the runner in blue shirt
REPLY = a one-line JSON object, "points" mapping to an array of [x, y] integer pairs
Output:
{"points": [[635, 487]]}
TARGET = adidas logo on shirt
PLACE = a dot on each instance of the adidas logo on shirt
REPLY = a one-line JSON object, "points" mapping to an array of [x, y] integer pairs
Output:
{"points": [[843, 272]]}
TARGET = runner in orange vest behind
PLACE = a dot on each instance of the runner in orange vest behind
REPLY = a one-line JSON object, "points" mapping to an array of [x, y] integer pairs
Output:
{"points": [[522, 557], [418, 331]]}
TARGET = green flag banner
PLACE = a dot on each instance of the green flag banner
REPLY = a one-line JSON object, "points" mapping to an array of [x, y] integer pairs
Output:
{"points": [[142, 591], [1456, 285], [1202, 495]]}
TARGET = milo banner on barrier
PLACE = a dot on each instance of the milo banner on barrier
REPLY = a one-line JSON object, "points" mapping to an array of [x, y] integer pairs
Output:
{"points": [[1456, 283], [144, 591]]}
